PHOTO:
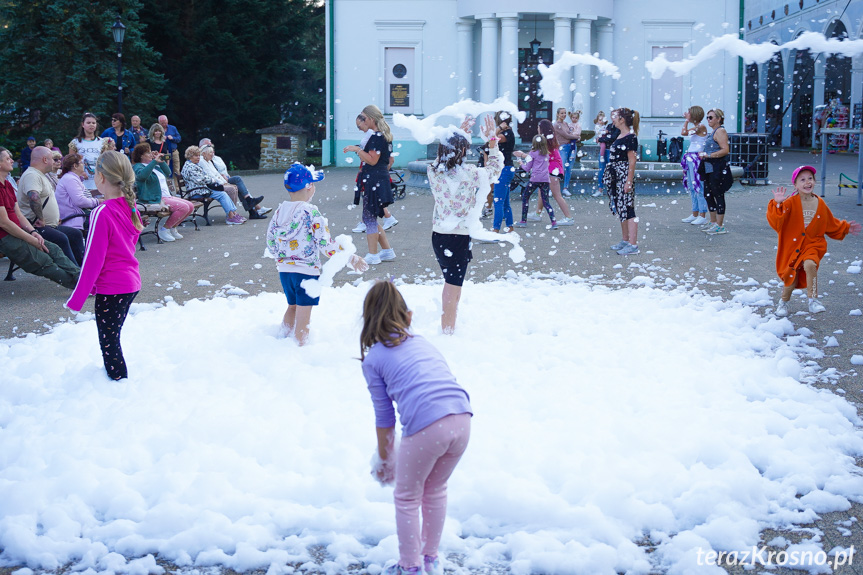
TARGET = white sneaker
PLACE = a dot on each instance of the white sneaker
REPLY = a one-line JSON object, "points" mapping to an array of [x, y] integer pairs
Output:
{"points": [[373, 259], [699, 221], [387, 255], [534, 218], [165, 235], [597, 193], [176, 234], [688, 219], [815, 306], [566, 193], [565, 222], [263, 210], [388, 223], [361, 227], [781, 308]]}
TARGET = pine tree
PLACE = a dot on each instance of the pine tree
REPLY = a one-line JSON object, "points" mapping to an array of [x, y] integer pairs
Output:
{"points": [[59, 60]]}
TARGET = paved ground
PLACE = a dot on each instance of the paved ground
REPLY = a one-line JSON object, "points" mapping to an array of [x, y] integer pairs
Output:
{"points": [[232, 255]]}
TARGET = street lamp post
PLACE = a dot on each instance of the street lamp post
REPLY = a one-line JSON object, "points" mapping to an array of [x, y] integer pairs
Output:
{"points": [[119, 32]]}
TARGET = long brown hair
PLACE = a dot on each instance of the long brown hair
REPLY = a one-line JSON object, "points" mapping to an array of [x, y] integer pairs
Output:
{"points": [[81, 133], [386, 318], [452, 152], [630, 117], [546, 128]]}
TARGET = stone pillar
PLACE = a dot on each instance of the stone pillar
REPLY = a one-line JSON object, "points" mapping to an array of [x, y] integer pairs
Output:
{"points": [[562, 43], [789, 57], [509, 57], [762, 97], [605, 85], [582, 72], [465, 59], [856, 81], [818, 91], [488, 59]]}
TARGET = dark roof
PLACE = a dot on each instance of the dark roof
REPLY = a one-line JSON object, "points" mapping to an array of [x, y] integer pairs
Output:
{"points": [[281, 129]]}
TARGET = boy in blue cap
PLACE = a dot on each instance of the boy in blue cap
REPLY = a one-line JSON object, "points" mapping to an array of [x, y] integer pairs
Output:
{"points": [[297, 236]]}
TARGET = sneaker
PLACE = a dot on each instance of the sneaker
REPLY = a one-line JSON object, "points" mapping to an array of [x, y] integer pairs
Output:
{"points": [[597, 193], [165, 235], [234, 220], [534, 218], [718, 230], [628, 250], [486, 212], [781, 308], [620, 245], [565, 222], [688, 219], [176, 233], [256, 215], [699, 221], [399, 570], [816, 306], [709, 227], [388, 223], [566, 193], [520, 224], [554, 225], [387, 255], [361, 227], [373, 259], [263, 210], [432, 566]]}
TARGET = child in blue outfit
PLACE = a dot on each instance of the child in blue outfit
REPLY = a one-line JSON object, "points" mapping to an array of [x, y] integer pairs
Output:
{"points": [[296, 237], [435, 413]]}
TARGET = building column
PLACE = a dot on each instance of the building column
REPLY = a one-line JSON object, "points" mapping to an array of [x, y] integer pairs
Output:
{"points": [[488, 59], [788, 59], [582, 72], [818, 89], [856, 81], [562, 43], [605, 84], [465, 59], [763, 69], [509, 57]]}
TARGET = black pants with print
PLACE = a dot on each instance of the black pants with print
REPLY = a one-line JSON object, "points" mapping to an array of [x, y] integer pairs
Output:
{"points": [[111, 312]]}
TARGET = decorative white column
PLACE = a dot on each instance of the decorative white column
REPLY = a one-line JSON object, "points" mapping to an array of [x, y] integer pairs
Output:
{"points": [[509, 56], [488, 59], [818, 90], [562, 43], [582, 72], [605, 84], [465, 59], [789, 57], [763, 69]]}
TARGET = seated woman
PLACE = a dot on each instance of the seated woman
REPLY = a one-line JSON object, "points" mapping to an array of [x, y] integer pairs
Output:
{"points": [[151, 181], [72, 197], [236, 191], [196, 177]]}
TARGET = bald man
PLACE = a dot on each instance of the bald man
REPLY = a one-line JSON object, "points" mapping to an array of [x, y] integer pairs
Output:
{"points": [[39, 206], [173, 137]]}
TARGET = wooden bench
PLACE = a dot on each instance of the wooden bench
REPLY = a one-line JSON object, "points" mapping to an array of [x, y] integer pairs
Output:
{"points": [[199, 196], [150, 212]]}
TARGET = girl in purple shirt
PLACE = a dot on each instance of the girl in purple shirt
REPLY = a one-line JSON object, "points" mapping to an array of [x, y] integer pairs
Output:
{"points": [[435, 414], [537, 165], [110, 269]]}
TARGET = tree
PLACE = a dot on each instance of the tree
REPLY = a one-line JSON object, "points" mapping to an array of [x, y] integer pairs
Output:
{"points": [[239, 65], [59, 60]]}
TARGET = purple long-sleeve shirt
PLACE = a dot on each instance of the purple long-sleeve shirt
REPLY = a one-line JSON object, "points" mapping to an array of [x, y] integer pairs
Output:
{"points": [[110, 266], [415, 375], [72, 197], [538, 166]]}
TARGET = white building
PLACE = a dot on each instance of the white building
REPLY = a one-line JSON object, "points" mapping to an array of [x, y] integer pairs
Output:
{"points": [[418, 56], [796, 82]]}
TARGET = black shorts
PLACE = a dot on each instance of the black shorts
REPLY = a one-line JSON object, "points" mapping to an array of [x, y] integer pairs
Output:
{"points": [[453, 254]]}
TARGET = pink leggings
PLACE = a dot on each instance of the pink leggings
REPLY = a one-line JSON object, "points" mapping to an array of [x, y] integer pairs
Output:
{"points": [[426, 460], [180, 210]]}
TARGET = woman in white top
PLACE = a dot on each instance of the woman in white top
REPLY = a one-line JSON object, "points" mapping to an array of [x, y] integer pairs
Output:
{"points": [[690, 161], [89, 145]]}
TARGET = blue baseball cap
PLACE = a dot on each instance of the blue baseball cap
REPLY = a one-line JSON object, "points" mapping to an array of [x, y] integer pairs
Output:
{"points": [[298, 177]]}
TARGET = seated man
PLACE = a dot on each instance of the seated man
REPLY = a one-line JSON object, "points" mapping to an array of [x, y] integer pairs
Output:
{"points": [[219, 165], [20, 241]]}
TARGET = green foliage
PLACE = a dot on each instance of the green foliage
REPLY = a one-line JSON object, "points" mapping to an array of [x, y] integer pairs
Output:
{"points": [[59, 60]]}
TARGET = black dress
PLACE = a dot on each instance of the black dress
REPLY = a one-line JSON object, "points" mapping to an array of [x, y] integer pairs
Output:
{"points": [[375, 180]]}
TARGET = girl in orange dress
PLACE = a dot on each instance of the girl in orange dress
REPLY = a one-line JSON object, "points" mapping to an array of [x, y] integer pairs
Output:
{"points": [[801, 221]]}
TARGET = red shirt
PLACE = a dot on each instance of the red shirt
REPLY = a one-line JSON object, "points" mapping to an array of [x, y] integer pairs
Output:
{"points": [[8, 200]]}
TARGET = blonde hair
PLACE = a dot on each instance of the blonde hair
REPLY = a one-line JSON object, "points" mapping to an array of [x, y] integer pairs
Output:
{"points": [[117, 170], [192, 151], [373, 112], [598, 115], [719, 113], [106, 145], [540, 144], [155, 128]]}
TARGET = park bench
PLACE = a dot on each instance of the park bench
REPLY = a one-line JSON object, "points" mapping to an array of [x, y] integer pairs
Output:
{"points": [[197, 195], [150, 212]]}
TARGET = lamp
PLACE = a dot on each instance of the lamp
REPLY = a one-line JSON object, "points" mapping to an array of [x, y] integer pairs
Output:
{"points": [[119, 33], [534, 44]]}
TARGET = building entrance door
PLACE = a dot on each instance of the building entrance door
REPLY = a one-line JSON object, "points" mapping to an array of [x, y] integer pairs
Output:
{"points": [[529, 100]]}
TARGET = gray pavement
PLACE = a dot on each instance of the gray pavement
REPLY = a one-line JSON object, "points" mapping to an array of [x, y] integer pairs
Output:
{"points": [[232, 255]]}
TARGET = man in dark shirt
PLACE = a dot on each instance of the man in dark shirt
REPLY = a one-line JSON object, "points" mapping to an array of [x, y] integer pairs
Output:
{"points": [[25, 154]]}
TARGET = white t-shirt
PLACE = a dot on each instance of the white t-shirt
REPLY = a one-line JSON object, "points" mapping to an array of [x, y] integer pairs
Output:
{"points": [[90, 150], [163, 183]]}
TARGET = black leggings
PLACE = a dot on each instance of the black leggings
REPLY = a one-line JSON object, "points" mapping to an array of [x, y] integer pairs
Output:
{"points": [[111, 312], [715, 197]]}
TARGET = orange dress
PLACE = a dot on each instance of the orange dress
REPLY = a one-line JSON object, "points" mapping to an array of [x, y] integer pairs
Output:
{"points": [[798, 243]]}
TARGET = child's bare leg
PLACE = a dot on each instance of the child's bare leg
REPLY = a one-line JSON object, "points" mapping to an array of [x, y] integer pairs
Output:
{"points": [[290, 318], [554, 184], [811, 269], [303, 318], [786, 290], [449, 300]]}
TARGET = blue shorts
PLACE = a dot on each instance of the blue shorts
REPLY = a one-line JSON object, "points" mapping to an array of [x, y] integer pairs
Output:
{"points": [[294, 291]]}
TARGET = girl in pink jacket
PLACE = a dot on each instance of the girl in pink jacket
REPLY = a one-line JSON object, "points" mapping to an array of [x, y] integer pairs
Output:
{"points": [[110, 269]]}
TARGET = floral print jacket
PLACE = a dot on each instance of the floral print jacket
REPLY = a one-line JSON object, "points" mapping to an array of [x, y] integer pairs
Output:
{"points": [[455, 192], [297, 235]]}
